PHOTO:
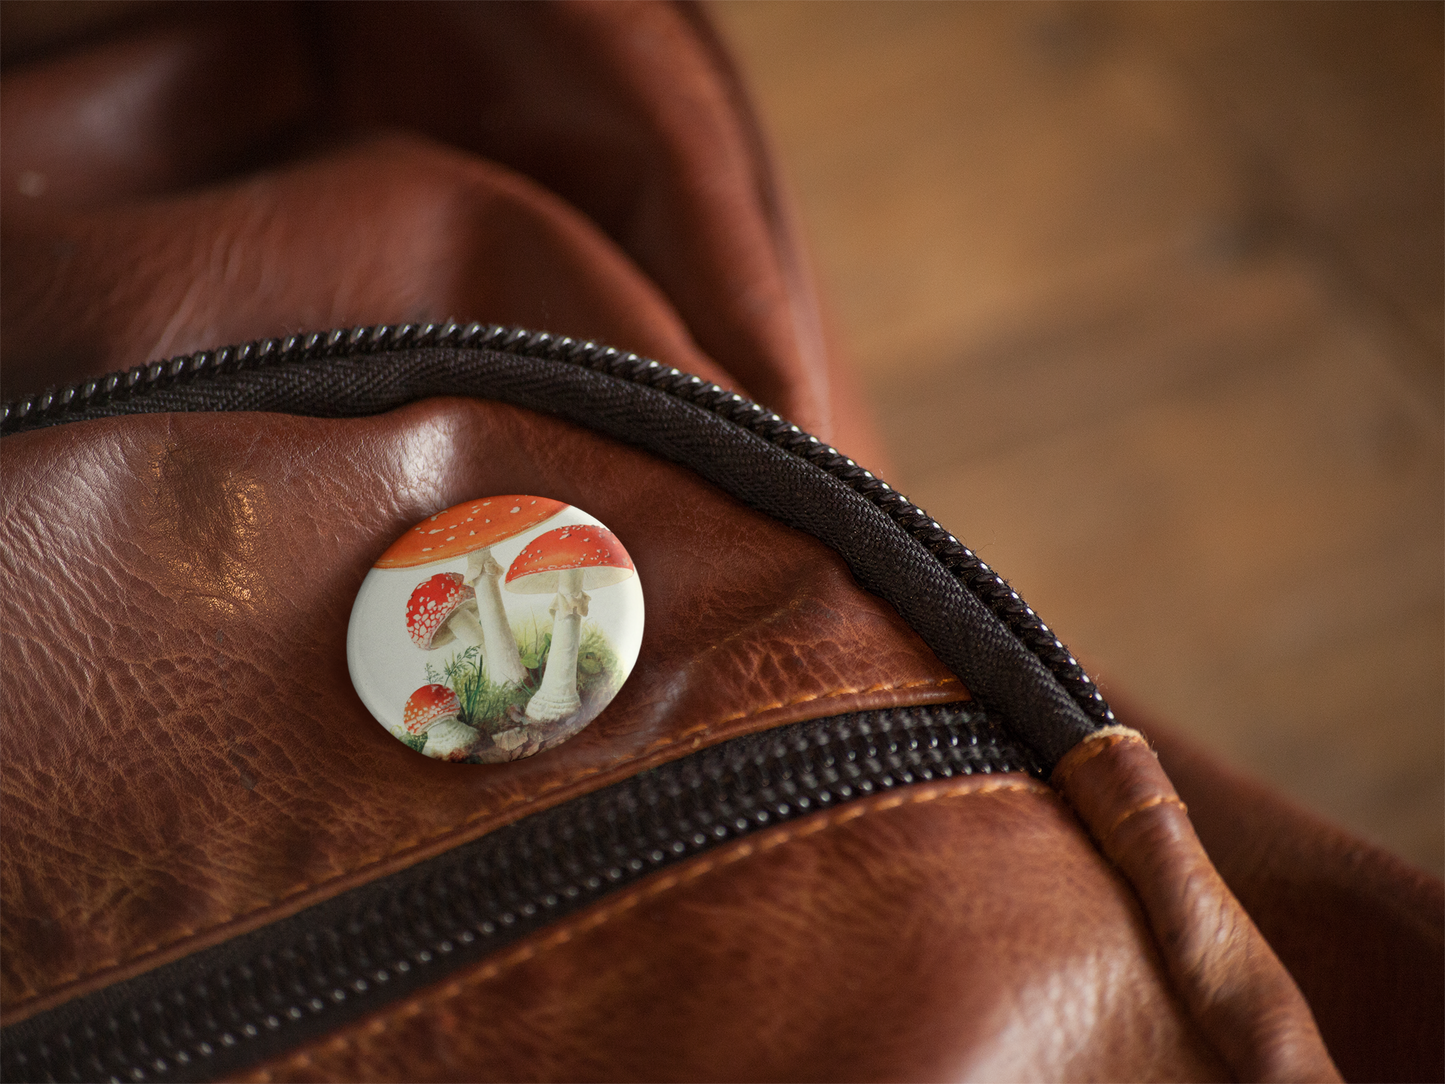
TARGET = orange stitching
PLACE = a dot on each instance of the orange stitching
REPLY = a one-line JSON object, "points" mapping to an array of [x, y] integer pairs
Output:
{"points": [[1147, 803], [1091, 746], [373, 860], [421, 1003]]}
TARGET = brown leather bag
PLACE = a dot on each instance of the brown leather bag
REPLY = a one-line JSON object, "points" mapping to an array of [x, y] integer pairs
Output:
{"points": [[856, 814]]}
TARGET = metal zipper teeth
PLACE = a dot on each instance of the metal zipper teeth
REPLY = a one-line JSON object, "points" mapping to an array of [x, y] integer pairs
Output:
{"points": [[52, 406], [354, 955]]}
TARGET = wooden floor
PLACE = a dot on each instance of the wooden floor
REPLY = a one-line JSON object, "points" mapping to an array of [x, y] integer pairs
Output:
{"points": [[1149, 301]]}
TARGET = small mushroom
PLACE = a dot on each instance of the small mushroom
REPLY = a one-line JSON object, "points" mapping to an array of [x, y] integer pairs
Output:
{"points": [[569, 561], [473, 528], [443, 609], [432, 710]]}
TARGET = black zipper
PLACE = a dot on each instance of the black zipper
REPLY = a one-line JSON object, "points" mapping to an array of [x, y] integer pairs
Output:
{"points": [[260, 994], [182, 383]]}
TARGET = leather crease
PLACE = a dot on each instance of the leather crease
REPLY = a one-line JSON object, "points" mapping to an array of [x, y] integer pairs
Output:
{"points": [[1243, 998], [689, 739]]}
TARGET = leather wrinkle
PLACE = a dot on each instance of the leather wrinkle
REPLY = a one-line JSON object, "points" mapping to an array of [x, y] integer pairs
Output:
{"points": [[681, 182], [244, 264], [802, 671], [526, 862], [1239, 992], [975, 644], [691, 199], [1132, 1019], [369, 861], [601, 914], [1360, 930]]}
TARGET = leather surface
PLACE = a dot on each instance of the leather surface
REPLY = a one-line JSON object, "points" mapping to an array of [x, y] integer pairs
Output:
{"points": [[1362, 932], [185, 754], [956, 957], [1236, 988], [446, 235], [185, 188]]}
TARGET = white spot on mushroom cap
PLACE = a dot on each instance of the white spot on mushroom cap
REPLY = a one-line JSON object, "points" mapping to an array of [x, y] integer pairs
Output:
{"points": [[432, 602]]}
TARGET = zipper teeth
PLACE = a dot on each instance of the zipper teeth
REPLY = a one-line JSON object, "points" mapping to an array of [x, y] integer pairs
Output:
{"points": [[988, 586], [475, 900]]}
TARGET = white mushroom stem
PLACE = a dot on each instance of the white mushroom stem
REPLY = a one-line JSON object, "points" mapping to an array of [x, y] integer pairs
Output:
{"points": [[556, 698], [499, 647], [449, 736], [464, 626]]}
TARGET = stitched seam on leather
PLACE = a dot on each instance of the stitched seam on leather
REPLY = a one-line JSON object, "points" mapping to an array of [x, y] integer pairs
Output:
{"points": [[1147, 803], [373, 860], [427, 1001], [1091, 746]]}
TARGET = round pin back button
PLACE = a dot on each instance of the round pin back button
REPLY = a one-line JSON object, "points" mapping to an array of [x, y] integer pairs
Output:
{"points": [[495, 629]]}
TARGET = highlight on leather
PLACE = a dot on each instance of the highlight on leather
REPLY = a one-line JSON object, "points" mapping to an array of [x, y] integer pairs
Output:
{"points": [[469, 143]]}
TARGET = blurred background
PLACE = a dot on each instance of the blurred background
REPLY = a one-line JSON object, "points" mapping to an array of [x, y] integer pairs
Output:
{"points": [[1148, 301]]}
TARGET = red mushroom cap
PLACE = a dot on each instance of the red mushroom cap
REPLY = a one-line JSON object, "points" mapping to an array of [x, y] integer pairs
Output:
{"points": [[431, 604], [428, 706], [596, 550], [472, 525]]}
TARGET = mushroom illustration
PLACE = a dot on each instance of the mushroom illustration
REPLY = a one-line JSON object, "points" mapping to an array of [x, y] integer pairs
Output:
{"points": [[569, 561], [440, 610], [473, 529], [432, 710]]}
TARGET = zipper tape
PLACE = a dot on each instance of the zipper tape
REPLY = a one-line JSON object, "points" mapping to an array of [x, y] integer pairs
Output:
{"points": [[265, 992], [964, 611]]}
